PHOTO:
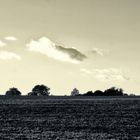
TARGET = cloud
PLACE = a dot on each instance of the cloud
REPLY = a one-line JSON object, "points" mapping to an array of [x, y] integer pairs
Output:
{"points": [[2, 44], [110, 74], [47, 47], [10, 38], [97, 51], [5, 55], [85, 71], [72, 52], [106, 74]]}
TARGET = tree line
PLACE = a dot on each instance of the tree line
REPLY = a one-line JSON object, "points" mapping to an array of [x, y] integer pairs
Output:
{"points": [[113, 91], [38, 90], [43, 90]]}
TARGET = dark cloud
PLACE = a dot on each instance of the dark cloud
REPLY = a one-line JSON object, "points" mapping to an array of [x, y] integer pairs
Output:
{"points": [[72, 52]]}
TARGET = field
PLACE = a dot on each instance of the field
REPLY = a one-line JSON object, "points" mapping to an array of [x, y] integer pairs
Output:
{"points": [[64, 118]]}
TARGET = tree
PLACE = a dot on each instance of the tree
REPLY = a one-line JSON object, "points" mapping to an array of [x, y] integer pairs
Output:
{"points": [[32, 94], [125, 94], [40, 90], [113, 91], [98, 93], [132, 94], [89, 93], [13, 91], [75, 92]]}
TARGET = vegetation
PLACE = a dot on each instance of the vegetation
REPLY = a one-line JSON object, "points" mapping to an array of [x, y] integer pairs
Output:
{"points": [[43, 90], [13, 91], [75, 92], [40, 90], [113, 91]]}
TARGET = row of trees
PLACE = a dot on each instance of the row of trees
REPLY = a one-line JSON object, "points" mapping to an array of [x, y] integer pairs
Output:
{"points": [[38, 90], [113, 91], [42, 90]]}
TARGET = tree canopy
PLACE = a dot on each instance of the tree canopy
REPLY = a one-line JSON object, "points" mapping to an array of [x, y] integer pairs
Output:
{"points": [[40, 90], [43, 90], [75, 92], [113, 91], [13, 91]]}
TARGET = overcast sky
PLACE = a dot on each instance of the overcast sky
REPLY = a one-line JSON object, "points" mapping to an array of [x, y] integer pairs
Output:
{"points": [[87, 44]]}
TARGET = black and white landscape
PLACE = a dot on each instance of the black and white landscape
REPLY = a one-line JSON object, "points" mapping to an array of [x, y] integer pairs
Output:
{"points": [[69, 70]]}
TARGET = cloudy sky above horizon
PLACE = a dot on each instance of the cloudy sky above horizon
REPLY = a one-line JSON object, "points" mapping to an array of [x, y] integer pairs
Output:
{"points": [[87, 44]]}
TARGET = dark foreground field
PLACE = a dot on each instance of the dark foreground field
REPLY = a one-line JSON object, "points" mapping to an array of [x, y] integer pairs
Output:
{"points": [[70, 118]]}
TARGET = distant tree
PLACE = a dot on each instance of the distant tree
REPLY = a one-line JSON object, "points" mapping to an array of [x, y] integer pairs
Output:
{"points": [[32, 94], [13, 91], [132, 94], [113, 91], [75, 92], [40, 90], [125, 94], [89, 93], [98, 93]]}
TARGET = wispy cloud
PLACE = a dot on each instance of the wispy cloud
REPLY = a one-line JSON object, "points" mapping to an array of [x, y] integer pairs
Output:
{"points": [[46, 47], [110, 74], [85, 71], [97, 51], [106, 74], [10, 38], [6, 55], [2, 44]]}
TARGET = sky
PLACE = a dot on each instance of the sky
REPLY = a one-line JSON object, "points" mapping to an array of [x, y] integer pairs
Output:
{"points": [[66, 44]]}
